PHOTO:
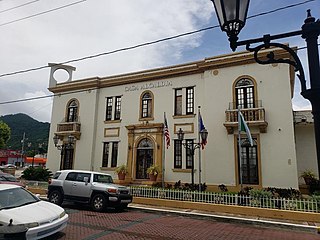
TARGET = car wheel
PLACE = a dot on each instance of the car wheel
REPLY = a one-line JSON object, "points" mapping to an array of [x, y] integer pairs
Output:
{"points": [[56, 197], [98, 202]]}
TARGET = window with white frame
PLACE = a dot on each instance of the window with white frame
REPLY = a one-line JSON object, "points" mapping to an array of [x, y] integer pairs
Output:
{"points": [[72, 111], [190, 100], [184, 101], [179, 154], [110, 157], [146, 110], [113, 108], [244, 91]]}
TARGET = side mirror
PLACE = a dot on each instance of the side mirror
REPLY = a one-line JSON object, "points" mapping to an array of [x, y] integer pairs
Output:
{"points": [[86, 180]]}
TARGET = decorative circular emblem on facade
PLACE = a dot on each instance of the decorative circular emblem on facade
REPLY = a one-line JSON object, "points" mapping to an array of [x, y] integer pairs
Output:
{"points": [[215, 72]]}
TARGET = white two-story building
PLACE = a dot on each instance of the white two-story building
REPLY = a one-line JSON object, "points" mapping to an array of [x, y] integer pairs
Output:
{"points": [[119, 120]]}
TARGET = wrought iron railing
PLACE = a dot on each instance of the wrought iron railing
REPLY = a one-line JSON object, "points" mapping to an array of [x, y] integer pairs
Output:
{"points": [[304, 205], [254, 104], [250, 115], [299, 204]]}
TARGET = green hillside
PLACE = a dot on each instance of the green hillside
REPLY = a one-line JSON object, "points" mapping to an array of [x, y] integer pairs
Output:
{"points": [[35, 132]]}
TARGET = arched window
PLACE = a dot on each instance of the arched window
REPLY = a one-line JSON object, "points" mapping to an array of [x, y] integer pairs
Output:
{"points": [[147, 105], [244, 93], [145, 144], [72, 114]]}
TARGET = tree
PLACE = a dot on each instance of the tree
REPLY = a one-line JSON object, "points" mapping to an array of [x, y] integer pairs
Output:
{"points": [[5, 133]]}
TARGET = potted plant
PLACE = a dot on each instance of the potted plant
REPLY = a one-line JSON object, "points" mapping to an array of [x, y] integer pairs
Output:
{"points": [[153, 172], [121, 171], [308, 176]]}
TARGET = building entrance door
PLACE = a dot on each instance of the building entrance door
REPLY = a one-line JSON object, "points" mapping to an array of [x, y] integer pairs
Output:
{"points": [[144, 158], [67, 159]]}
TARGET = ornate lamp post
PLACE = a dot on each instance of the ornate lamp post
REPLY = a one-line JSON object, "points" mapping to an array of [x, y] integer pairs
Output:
{"points": [[191, 147], [232, 15], [64, 146]]}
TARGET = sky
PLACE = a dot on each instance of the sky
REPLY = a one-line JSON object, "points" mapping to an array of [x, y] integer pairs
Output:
{"points": [[34, 33]]}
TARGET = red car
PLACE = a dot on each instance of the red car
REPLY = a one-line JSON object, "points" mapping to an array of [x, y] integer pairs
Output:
{"points": [[9, 179]]}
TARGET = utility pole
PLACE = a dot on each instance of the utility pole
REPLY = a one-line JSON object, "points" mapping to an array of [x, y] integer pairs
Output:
{"points": [[22, 149]]}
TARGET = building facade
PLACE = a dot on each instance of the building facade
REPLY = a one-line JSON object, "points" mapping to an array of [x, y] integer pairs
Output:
{"points": [[120, 120]]}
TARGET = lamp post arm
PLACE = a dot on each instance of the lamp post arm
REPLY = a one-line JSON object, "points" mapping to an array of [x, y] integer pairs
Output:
{"points": [[267, 38], [270, 58]]}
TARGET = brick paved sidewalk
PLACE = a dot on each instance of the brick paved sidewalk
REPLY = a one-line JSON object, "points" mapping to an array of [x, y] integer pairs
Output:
{"points": [[144, 222], [298, 225]]}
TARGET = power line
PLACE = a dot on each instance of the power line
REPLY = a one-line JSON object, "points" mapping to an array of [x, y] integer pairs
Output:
{"points": [[41, 13], [149, 43], [12, 8], [72, 92], [281, 8]]}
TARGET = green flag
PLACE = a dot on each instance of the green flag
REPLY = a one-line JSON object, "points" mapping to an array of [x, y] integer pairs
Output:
{"points": [[243, 127]]}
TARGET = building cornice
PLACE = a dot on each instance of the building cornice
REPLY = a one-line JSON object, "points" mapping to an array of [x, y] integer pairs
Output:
{"points": [[222, 61]]}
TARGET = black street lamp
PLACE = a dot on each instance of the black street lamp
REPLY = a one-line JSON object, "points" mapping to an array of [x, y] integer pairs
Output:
{"points": [[64, 146], [191, 147], [232, 15]]}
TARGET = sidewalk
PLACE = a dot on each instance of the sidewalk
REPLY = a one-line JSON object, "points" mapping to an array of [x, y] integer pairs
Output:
{"points": [[294, 225], [227, 217]]}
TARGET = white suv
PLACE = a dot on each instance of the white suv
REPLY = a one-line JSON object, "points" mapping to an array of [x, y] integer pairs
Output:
{"points": [[94, 188]]}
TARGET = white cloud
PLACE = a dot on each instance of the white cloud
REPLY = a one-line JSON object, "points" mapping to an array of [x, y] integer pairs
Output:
{"points": [[89, 28], [97, 26]]}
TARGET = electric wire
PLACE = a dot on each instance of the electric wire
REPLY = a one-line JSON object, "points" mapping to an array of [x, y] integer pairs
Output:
{"points": [[129, 48], [149, 43], [41, 13], [22, 5], [72, 92], [279, 9]]}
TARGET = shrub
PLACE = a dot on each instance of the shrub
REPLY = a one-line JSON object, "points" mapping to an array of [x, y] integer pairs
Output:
{"points": [[260, 193], [284, 192], [245, 191], [36, 174], [314, 186], [223, 188]]}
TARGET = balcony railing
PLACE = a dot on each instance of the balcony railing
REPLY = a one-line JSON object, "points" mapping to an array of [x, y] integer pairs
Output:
{"points": [[69, 128], [253, 117]]}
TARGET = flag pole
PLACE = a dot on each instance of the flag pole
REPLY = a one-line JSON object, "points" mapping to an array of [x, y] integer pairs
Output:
{"points": [[163, 152], [199, 140], [239, 148]]}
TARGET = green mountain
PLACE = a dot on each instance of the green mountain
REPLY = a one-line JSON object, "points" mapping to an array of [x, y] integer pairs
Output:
{"points": [[36, 133]]}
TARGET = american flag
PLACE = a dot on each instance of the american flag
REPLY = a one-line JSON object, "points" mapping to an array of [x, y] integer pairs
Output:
{"points": [[166, 131]]}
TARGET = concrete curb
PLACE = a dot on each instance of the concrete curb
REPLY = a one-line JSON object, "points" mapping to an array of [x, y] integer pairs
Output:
{"points": [[231, 219]]}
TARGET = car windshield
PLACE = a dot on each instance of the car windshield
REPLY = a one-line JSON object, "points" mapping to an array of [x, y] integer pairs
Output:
{"points": [[7, 178], [16, 197], [101, 178]]}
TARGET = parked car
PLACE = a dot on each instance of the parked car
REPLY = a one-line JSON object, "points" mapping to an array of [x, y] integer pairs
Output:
{"points": [[8, 166], [6, 178], [93, 188], [22, 208]]}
